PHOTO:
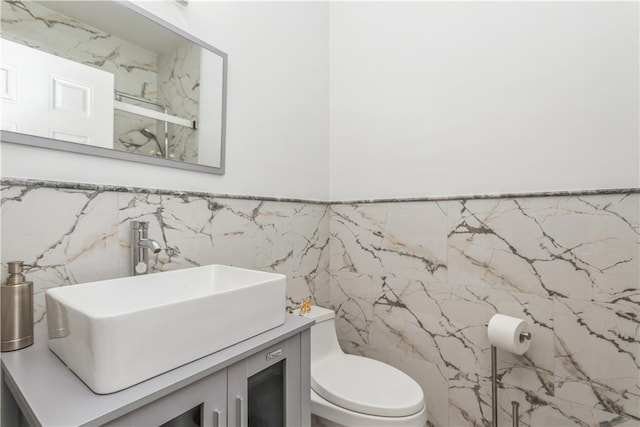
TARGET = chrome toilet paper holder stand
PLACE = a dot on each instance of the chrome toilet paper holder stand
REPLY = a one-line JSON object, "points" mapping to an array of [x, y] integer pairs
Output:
{"points": [[524, 336]]}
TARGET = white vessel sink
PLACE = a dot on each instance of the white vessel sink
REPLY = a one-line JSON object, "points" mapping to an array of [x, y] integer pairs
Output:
{"points": [[117, 333]]}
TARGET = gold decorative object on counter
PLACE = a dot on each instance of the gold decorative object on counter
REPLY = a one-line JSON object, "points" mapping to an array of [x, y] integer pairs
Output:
{"points": [[305, 306]]}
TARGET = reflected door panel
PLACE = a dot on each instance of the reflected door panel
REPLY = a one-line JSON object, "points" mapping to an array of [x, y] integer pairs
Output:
{"points": [[77, 107]]}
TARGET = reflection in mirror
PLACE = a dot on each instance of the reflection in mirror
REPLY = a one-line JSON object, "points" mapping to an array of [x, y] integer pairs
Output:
{"points": [[107, 74]]}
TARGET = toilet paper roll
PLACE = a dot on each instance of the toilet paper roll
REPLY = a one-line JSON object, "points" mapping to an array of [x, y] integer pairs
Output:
{"points": [[505, 332]]}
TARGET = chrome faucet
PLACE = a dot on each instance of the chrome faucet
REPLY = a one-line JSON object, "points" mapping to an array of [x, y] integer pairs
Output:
{"points": [[140, 247]]}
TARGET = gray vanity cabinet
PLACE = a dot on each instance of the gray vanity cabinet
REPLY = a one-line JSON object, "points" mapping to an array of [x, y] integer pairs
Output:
{"points": [[202, 403], [266, 388], [262, 381]]}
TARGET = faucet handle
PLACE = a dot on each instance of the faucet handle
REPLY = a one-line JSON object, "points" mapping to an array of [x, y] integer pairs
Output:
{"points": [[139, 225]]}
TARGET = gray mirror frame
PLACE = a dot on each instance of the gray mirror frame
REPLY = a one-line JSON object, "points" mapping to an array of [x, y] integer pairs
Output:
{"points": [[42, 142]]}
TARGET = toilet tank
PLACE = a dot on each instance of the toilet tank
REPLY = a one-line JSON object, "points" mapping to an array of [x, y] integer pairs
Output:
{"points": [[324, 341]]}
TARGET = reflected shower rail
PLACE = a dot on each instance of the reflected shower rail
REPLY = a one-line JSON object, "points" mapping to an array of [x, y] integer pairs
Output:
{"points": [[156, 115]]}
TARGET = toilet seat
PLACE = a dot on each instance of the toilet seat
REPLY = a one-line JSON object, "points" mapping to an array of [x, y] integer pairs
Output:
{"points": [[327, 411], [367, 386]]}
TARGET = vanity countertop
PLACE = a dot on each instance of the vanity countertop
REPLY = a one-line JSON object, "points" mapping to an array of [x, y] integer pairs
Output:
{"points": [[49, 394]]}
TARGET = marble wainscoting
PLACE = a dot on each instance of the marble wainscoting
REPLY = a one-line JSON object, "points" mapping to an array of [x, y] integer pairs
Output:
{"points": [[414, 284], [81, 233]]}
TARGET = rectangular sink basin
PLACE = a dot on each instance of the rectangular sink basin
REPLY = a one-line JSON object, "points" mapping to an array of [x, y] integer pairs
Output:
{"points": [[116, 333]]}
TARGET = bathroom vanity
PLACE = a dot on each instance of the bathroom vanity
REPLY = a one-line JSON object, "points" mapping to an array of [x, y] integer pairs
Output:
{"points": [[263, 380]]}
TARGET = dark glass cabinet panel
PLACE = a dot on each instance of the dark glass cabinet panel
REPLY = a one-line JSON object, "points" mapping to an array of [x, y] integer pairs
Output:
{"points": [[266, 391], [191, 418]]}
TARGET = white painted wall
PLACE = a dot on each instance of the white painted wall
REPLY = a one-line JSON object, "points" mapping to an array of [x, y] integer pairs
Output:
{"points": [[277, 129], [353, 100], [455, 98]]}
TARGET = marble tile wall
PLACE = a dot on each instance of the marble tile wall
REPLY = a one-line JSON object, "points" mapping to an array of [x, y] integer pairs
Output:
{"points": [[414, 283], [75, 236]]}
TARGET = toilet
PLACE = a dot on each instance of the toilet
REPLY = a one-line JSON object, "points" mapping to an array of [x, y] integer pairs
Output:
{"points": [[355, 391]]}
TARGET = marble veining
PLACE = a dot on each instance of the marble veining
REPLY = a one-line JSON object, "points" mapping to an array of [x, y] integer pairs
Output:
{"points": [[76, 235], [413, 283], [568, 247], [556, 193], [179, 91], [32, 184], [132, 189]]}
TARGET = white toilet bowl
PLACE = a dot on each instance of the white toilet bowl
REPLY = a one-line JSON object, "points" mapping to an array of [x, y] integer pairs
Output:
{"points": [[356, 391]]}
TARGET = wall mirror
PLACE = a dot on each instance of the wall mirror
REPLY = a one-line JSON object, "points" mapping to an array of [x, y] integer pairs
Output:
{"points": [[108, 78]]}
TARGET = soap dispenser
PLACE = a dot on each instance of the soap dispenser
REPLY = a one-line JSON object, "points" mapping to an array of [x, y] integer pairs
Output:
{"points": [[16, 311]]}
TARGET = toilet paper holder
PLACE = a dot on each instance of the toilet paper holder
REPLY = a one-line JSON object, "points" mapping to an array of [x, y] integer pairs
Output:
{"points": [[524, 336]]}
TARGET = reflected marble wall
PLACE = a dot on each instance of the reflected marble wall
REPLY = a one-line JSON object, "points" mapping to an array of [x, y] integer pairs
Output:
{"points": [[179, 90], [415, 282], [76, 235], [135, 69]]}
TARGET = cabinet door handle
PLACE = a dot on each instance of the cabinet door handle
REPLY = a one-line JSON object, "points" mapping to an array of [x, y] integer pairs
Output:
{"points": [[216, 418], [239, 411]]}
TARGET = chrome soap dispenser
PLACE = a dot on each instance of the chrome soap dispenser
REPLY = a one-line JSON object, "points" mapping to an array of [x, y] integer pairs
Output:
{"points": [[16, 311]]}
